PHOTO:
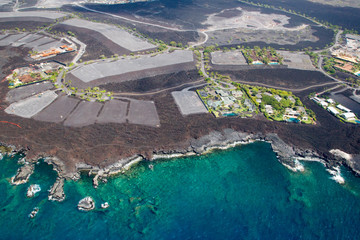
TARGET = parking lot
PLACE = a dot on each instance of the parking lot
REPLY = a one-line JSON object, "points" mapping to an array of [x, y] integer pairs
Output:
{"points": [[228, 58], [113, 111]]}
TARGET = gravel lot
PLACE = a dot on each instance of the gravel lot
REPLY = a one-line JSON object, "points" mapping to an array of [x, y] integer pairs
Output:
{"points": [[113, 111], [88, 73], [37, 14], [189, 102], [143, 113], [115, 34], [30, 106], [26, 39], [228, 58], [297, 60], [84, 114], [11, 38], [58, 111], [19, 93]]}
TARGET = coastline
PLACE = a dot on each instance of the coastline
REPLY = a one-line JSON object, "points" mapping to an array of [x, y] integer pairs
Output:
{"points": [[289, 156]]}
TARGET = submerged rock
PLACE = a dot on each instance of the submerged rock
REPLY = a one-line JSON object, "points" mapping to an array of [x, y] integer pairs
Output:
{"points": [[86, 204], [105, 205], [32, 190], [57, 191], [34, 212], [23, 174]]}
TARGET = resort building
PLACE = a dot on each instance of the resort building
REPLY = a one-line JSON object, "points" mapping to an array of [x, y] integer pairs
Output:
{"points": [[333, 111], [349, 116], [341, 107]]}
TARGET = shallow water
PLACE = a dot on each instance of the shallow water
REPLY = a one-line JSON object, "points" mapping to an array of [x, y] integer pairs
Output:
{"points": [[242, 193]]}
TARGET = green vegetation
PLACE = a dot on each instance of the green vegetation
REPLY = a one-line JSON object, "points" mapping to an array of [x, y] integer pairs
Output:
{"points": [[262, 55], [314, 58]]}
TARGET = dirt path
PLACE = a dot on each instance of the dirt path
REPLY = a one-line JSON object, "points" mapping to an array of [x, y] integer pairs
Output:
{"points": [[288, 89]]}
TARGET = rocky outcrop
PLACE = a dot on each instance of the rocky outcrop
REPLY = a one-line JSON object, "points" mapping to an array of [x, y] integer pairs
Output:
{"points": [[86, 204], [57, 191], [351, 160], [60, 168], [23, 174], [32, 190]]}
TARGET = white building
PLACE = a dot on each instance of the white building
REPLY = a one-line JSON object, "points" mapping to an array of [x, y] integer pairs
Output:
{"points": [[333, 110], [349, 116], [341, 107]]}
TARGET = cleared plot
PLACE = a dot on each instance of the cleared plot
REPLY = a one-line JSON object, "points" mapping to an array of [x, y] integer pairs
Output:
{"points": [[30, 106], [115, 34], [3, 36], [37, 14], [38, 42], [11, 38], [17, 94], [58, 110], [88, 73], [297, 60], [85, 114], [5, 2], [189, 103], [46, 46], [113, 111], [228, 58], [143, 113], [26, 39]]}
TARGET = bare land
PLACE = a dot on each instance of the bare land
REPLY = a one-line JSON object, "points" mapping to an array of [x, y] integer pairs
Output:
{"points": [[300, 61], [31, 15], [17, 94], [30, 106], [189, 102], [143, 113], [115, 34], [337, 3], [91, 72], [58, 111], [84, 114], [228, 58], [113, 111]]}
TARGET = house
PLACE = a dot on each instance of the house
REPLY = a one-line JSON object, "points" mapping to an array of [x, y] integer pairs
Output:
{"points": [[258, 95], [301, 109], [278, 98], [269, 94], [258, 100], [341, 107], [250, 105], [330, 101], [227, 101], [203, 94], [349, 116], [237, 94], [269, 109], [333, 110], [222, 93], [214, 104], [291, 99]]}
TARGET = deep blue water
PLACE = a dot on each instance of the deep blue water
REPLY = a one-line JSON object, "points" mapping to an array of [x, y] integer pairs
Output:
{"points": [[242, 193]]}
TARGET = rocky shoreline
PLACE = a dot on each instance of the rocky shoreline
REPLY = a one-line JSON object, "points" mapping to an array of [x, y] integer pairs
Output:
{"points": [[288, 155]]}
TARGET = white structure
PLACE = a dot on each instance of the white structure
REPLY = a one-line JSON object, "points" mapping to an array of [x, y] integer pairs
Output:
{"points": [[341, 107], [330, 101], [269, 109], [349, 116], [333, 110]]}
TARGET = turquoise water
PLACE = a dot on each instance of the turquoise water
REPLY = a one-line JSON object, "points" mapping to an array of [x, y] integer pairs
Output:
{"points": [[229, 114], [242, 193], [273, 63], [294, 120]]}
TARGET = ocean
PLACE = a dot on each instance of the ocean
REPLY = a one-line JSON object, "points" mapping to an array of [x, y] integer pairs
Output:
{"points": [[240, 193]]}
